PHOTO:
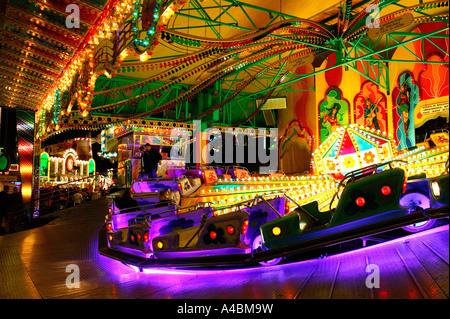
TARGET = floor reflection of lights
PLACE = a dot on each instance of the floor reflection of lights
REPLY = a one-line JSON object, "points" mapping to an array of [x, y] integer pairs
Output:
{"points": [[240, 270]]}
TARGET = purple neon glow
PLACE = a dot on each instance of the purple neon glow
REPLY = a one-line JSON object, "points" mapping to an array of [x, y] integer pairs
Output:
{"points": [[121, 220], [357, 252], [193, 218], [145, 187], [345, 272], [418, 227], [397, 240]]}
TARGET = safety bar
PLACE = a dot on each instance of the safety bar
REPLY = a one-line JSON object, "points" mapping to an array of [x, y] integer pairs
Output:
{"points": [[247, 203], [150, 206], [302, 209], [146, 194]]}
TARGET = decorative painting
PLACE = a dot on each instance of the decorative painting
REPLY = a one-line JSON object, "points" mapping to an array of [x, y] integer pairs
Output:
{"points": [[370, 107], [295, 147], [333, 111], [405, 98], [433, 79]]}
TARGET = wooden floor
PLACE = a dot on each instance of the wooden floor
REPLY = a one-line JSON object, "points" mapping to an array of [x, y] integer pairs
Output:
{"points": [[36, 264]]}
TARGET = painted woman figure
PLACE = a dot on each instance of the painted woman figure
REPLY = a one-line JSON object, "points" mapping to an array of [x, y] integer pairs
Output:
{"points": [[370, 113], [404, 106], [331, 117]]}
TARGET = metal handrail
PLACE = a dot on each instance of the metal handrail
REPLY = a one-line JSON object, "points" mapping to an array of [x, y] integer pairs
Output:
{"points": [[249, 202], [303, 210], [44, 194], [87, 177], [156, 179]]}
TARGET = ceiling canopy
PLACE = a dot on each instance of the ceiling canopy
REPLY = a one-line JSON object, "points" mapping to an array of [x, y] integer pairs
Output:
{"points": [[134, 59]]}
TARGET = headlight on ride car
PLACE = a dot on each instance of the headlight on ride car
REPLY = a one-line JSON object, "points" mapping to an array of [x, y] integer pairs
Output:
{"points": [[436, 189], [276, 231], [160, 245]]}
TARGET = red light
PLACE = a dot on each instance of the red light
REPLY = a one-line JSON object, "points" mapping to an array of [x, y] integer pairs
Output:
{"points": [[230, 230], [146, 236], [385, 190], [132, 238], [109, 226], [245, 227], [213, 235], [138, 236], [405, 182], [360, 201], [286, 207]]}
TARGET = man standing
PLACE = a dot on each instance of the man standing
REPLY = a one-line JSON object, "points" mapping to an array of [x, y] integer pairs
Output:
{"points": [[151, 160], [142, 172], [77, 197]]}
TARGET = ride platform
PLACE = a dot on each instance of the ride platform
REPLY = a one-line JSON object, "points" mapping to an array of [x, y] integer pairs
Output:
{"points": [[36, 264]]}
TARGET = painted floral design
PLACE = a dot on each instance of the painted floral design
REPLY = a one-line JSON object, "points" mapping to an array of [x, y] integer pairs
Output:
{"points": [[331, 165], [369, 157], [349, 162]]}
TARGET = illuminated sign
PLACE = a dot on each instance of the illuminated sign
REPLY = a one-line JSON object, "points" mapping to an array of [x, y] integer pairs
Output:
{"points": [[44, 165], [430, 109], [69, 163], [3, 162], [70, 156]]}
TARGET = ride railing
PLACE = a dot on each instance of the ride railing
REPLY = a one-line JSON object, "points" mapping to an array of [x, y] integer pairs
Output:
{"points": [[51, 199], [215, 210], [58, 197], [190, 172]]}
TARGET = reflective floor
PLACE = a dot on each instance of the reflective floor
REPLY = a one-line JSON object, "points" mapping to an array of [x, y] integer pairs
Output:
{"points": [[38, 263]]}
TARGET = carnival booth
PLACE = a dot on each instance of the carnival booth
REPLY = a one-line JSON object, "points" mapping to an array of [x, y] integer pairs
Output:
{"points": [[171, 143], [61, 163]]}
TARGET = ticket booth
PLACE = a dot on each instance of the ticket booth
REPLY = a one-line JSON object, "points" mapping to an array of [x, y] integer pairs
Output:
{"points": [[173, 149]]}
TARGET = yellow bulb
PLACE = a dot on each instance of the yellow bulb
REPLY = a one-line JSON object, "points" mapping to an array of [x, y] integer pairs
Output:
{"points": [[276, 231], [160, 245]]}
